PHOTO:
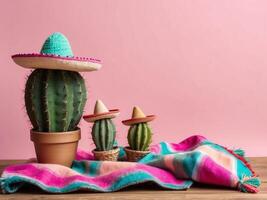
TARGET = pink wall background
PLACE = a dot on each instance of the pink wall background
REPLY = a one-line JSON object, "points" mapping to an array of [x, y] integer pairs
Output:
{"points": [[200, 66]]}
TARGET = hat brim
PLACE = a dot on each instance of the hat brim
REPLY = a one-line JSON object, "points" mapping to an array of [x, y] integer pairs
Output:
{"points": [[44, 61], [107, 115], [132, 121]]}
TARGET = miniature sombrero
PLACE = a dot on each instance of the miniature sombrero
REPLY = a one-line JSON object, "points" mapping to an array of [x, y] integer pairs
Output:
{"points": [[56, 53], [101, 112], [138, 117]]}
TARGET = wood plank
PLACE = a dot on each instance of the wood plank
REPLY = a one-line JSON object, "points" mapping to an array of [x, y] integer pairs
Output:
{"points": [[259, 165], [197, 193], [150, 191]]}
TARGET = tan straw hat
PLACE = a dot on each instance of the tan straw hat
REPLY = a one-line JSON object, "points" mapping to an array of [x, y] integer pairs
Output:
{"points": [[101, 112], [138, 117]]}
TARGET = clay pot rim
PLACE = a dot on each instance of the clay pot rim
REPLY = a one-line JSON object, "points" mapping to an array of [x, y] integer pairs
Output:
{"points": [[114, 149], [127, 148], [58, 133], [56, 137]]}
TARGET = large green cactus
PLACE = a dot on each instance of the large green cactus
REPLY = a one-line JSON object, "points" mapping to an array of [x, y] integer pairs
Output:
{"points": [[103, 134], [139, 137], [55, 99]]}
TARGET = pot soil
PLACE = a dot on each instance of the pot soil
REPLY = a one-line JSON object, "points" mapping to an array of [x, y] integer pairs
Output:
{"points": [[56, 147]]}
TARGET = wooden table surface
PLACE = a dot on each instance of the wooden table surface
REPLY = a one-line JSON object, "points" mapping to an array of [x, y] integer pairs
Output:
{"points": [[149, 191]]}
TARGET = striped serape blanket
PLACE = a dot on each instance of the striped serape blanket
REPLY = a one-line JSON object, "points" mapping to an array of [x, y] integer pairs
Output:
{"points": [[174, 166]]}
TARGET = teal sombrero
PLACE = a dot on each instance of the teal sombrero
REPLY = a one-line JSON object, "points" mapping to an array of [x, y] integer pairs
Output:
{"points": [[56, 53]]}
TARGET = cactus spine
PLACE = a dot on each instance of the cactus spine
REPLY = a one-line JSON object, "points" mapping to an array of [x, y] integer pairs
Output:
{"points": [[55, 99], [139, 137], [103, 134]]}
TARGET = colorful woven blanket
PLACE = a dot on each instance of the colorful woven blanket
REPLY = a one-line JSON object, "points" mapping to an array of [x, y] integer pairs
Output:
{"points": [[171, 166]]}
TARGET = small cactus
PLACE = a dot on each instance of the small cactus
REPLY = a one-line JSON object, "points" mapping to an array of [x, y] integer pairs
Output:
{"points": [[55, 99], [140, 137], [103, 134]]}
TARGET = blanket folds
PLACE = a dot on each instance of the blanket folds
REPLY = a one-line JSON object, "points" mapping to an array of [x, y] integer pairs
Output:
{"points": [[169, 165]]}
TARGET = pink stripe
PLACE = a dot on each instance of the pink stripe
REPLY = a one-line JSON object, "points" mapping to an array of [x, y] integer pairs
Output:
{"points": [[188, 144], [83, 155], [210, 172], [50, 179], [160, 174], [107, 167], [75, 58], [155, 148]]}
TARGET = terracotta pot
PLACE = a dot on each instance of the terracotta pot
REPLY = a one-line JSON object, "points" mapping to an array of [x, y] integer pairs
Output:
{"points": [[111, 155], [134, 155], [56, 147]]}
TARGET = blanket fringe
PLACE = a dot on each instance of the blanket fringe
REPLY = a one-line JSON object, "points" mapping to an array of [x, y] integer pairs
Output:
{"points": [[239, 152], [243, 159], [2, 184], [249, 184]]}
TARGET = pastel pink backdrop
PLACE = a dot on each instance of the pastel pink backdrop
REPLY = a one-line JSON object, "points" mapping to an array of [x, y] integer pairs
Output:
{"points": [[200, 66]]}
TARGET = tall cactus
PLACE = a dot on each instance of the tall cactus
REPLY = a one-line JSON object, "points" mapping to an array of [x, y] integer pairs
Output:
{"points": [[55, 99], [103, 134], [139, 137]]}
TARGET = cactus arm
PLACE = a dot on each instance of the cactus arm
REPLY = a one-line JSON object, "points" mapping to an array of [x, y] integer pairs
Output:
{"points": [[107, 133], [113, 128], [102, 135], [144, 136], [148, 138], [139, 136], [83, 98], [48, 101], [79, 100], [58, 101], [131, 137], [149, 141], [67, 98], [110, 134], [32, 96], [95, 135]]}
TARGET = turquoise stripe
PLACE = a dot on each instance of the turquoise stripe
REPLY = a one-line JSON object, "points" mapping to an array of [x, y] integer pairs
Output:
{"points": [[164, 148], [94, 168], [141, 177], [190, 162], [122, 154], [149, 158], [79, 166], [90, 168], [242, 170]]}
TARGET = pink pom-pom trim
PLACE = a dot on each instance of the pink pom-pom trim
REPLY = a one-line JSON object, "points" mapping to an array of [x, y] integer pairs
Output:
{"points": [[76, 58]]}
